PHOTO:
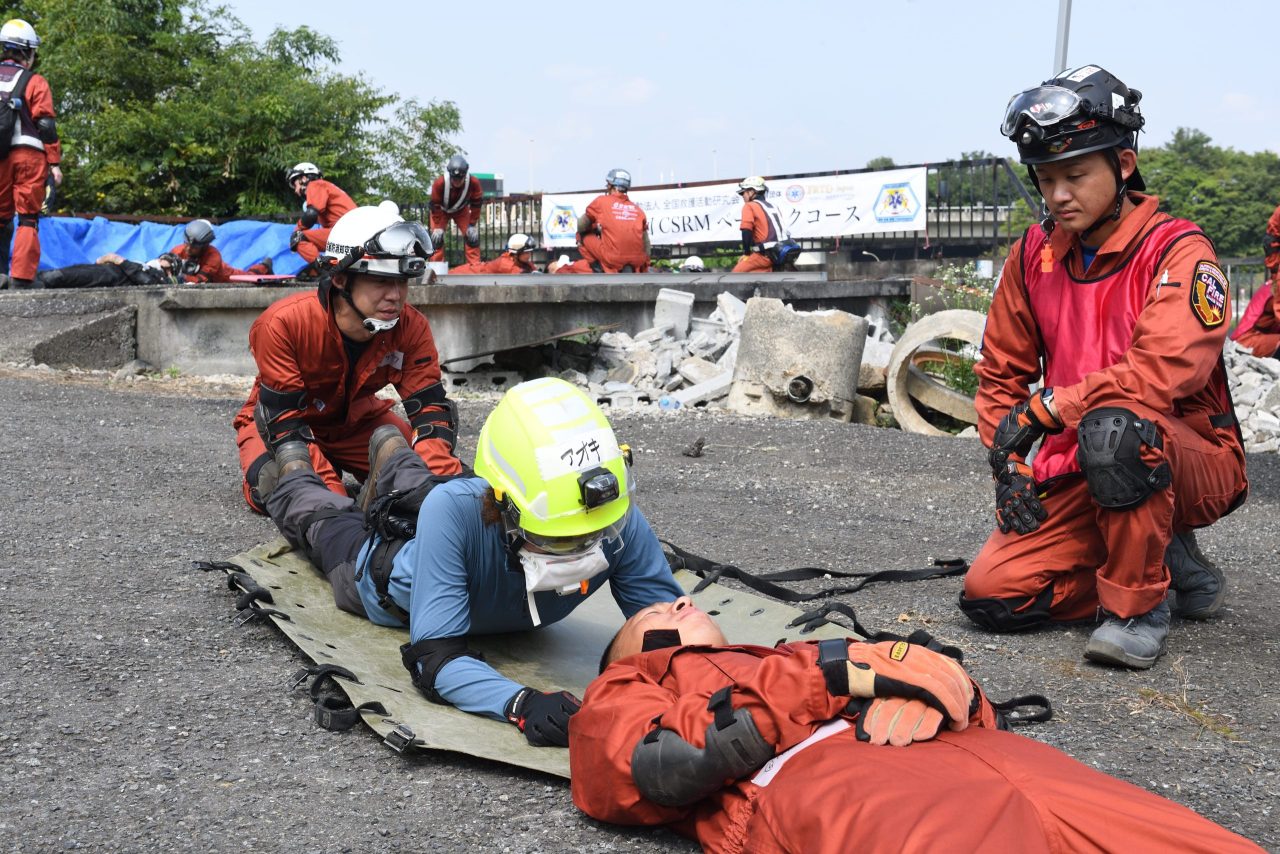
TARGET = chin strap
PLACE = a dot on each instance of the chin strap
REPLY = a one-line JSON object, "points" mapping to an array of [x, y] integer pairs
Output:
{"points": [[1122, 190]]}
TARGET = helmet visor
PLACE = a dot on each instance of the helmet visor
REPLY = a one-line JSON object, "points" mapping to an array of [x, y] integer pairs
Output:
{"points": [[1044, 105]]}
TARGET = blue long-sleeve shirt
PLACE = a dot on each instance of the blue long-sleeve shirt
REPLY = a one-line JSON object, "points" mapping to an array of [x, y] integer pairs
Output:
{"points": [[454, 579]]}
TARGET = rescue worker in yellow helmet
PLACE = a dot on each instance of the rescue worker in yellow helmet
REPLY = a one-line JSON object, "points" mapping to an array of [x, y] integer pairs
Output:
{"points": [[552, 498]]}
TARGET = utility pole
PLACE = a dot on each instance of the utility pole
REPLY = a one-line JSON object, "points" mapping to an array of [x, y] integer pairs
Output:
{"points": [[1064, 30]]}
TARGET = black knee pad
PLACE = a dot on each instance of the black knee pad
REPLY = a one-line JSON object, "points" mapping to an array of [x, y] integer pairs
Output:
{"points": [[29, 220], [1110, 455], [1003, 615]]}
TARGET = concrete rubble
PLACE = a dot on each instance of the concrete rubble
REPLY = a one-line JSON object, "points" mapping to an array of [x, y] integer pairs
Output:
{"points": [[683, 361], [1255, 390]]}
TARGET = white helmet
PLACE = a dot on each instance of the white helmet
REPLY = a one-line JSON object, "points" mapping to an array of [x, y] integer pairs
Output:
{"points": [[693, 264], [17, 33], [755, 182], [520, 243], [374, 241], [377, 241], [305, 168]]}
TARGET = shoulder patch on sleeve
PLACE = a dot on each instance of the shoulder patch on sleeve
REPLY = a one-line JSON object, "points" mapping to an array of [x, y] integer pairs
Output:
{"points": [[1209, 294]]}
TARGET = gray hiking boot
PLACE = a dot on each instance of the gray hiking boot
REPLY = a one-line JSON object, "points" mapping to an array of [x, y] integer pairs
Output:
{"points": [[1133, 642], [1200, 585], [286, 459], [384, 442]]}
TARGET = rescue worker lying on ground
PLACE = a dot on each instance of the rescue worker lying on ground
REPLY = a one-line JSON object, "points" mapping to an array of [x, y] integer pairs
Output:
{"points": [[457, 197], [516, 260], [323, 204], [194, 261], [766, 244], [1262, 334], [613, 233], [1126, 308], [548, 518], [323, 355], [33, 153], [836, 746]]}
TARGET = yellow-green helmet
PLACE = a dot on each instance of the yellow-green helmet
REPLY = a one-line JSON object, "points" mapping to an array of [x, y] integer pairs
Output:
{"points": [[554, 463]]}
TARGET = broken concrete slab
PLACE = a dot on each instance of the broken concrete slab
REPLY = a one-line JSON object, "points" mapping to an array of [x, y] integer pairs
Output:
{"points": [[713, 389], [697, 370], [797, 364], [674, 308]]}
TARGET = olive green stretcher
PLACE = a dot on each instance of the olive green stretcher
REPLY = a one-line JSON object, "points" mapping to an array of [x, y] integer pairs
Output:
{"points": [[289, 591]]}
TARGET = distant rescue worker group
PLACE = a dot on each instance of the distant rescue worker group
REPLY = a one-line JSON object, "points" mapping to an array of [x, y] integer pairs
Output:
{"points": [[1104, 413]]}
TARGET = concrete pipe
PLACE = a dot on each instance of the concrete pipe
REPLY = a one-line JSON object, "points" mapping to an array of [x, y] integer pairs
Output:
{"points": [[907, 384]]}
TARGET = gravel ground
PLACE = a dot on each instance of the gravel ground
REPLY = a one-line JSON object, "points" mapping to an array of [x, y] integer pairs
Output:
{"points": [[134, 717]]}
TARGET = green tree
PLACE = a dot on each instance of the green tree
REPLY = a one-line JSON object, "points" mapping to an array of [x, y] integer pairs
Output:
{"points": [[169, 107], [412, 149], [881, 163], [1228, 193]]}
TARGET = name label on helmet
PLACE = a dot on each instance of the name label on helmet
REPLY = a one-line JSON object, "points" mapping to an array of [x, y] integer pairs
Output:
{"points": [[584, 450]]}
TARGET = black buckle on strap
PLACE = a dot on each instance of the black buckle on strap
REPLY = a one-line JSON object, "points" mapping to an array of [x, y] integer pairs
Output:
{"points": [[400, 738]]}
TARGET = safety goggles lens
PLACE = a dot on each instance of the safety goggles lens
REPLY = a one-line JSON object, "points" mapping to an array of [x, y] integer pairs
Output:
{"points": [[1044, 105], [398, 240], [566, 545]]}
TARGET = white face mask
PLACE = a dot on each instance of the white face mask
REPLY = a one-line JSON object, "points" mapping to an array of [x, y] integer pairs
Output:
{"points": [[565, 574]]}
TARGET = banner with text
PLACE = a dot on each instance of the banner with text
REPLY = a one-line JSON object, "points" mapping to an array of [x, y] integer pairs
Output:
{"points": [[819, 206]]}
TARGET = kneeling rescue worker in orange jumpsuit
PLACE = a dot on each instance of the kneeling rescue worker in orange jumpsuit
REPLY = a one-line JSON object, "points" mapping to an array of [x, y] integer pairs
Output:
{"points": [[835, 746], [1120, 311], [33, 151], [323, 204], [457, 197], [322, 355], [613, 233], [761, 226], [512, 262], [1262, 336]]}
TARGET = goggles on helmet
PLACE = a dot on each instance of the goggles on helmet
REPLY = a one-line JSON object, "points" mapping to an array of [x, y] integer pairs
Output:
{"points": [[1048, 105], [407, 243], [564, 545]]}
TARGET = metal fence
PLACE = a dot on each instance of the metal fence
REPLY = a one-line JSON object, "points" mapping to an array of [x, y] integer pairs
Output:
{"points": [[973, 208]]}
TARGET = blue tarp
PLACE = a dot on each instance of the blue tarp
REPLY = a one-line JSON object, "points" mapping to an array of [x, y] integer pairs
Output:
{"points": [[70, 240]]}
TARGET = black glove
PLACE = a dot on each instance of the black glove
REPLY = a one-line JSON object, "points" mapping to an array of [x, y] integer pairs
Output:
{"points": [[1018, 506], [1021, 428], [543, 718], [294, 240]]}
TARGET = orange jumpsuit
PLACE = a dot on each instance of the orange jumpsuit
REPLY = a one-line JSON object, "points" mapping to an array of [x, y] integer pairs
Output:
{"points": [[23, 173], [1263, 335], [623, 226], [756, 220], [303, 363], [978, 789], [331, 202], [505, 264], [462, 207], [212, 267], [1153, 347]]}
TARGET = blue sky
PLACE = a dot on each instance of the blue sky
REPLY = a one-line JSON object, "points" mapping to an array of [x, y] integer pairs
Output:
{"points": [[553, 96]]}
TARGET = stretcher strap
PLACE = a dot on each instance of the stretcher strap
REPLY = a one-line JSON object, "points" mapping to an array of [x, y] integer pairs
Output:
{"points": [[1009, 710], [334, 711], [767, 582]]}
